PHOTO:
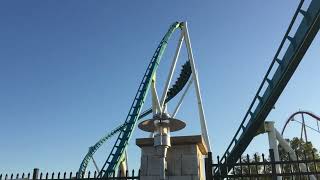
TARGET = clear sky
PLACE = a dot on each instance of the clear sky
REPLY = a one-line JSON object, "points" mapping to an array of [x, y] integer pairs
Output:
{"points": [[70, 69]]}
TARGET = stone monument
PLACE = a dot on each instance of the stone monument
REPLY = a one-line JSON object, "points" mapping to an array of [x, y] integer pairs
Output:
{"points": [[170, 158]]}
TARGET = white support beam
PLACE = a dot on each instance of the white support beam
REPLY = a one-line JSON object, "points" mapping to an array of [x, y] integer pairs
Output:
{"points": [[126, 155], [171, 71], [204, 130], [273, 144], [156, 108], [285, 145], [181, 99], [123, 165], [95, 165]]}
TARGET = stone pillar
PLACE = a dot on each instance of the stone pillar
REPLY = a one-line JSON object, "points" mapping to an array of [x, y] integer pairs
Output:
{"points": [[185, 159]]}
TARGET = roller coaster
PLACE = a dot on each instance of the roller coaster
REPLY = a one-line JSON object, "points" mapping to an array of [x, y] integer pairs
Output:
{"points": [[304, 125], [275, 80], [124, 131]]}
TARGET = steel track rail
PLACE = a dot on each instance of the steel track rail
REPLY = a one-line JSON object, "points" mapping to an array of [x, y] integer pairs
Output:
{"points": [[274, 84]]}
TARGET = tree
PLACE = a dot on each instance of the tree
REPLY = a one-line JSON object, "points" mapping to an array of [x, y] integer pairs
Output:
{"points": [[304, 151]]}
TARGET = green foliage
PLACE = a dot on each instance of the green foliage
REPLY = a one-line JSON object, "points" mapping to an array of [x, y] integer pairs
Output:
{"points": [[301, 148], [304, 151]]}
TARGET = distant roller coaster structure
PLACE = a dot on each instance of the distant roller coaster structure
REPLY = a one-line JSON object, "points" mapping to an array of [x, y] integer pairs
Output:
{"points": [[304, 125]]}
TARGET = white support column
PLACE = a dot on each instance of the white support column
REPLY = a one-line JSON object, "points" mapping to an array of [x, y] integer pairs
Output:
{"points": [[204, 131], [156, 108], [95, 165], [273, 144], [123, 166], [173, 66], [155, 101], [285, 145], [126, 155], [181, 99]]}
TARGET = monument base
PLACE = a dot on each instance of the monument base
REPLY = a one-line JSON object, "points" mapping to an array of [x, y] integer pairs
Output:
{"points": [[184, 159]]}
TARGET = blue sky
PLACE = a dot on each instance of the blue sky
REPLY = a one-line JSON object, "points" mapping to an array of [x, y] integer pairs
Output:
{"points": [[70, 69]]}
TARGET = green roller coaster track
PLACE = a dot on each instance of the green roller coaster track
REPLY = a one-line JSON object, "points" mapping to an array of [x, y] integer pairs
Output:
{"points": [[125, 130], [275, 80]]}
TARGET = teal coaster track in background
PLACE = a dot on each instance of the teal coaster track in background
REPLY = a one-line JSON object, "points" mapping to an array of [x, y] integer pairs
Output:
{"points": [[125, 130]]}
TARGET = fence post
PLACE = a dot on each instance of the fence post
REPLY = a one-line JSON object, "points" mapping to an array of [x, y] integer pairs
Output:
{"points": [[35, 174], [273, 165], [208, 166]]}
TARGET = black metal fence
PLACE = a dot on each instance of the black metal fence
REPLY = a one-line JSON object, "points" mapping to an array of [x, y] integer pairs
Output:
{"points": [[261, 167], [36, 175]]}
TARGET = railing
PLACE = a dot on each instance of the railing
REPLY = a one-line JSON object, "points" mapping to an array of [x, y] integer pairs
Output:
{"points": [[36, 175], [261, 167]]}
